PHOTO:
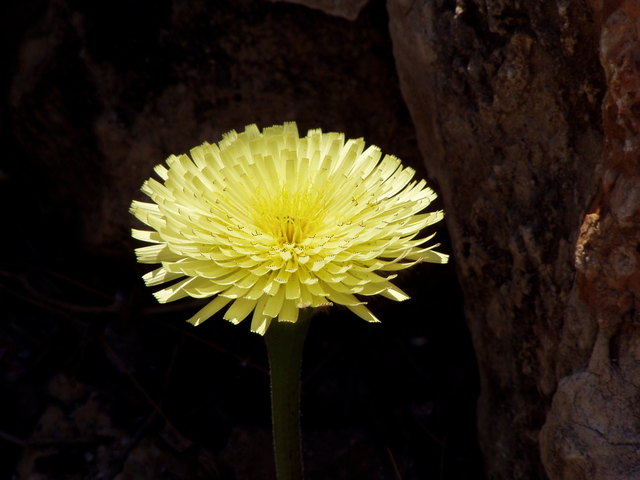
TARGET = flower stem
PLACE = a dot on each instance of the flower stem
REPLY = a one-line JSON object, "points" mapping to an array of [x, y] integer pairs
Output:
{"points": [[285, 341]]}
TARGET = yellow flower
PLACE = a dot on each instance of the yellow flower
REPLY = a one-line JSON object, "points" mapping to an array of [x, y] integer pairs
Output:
{"points": [[271, 223]]}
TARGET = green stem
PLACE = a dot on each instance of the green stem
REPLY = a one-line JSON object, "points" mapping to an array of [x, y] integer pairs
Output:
{"points": [[284, 346]]}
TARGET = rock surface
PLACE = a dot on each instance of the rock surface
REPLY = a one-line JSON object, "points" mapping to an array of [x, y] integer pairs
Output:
{"points": [[348, 9], [592, 430], [505, 97]]}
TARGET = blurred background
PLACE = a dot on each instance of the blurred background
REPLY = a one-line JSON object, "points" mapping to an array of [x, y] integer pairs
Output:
{"points": [[98, 381]]}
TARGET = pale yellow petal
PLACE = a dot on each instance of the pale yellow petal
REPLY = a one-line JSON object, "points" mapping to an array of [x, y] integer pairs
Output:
{"points": [[239, 310], [394, 293], [258, 288], [235, 291], [259, 321], [292, 288], [274, 304], [306, 297], [156, 254], [158, 276], [213, 307], [363, 312], [343, 298], [260, 324], [174, 292], [288, 312], [146, 236]]}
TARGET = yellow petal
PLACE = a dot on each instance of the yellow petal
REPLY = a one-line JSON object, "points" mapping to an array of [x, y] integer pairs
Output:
{"points": [[146, 236], [292, 288], [394, 293], [156, 254], [239, 310], [213, 307], [260, 322], [344, 298], [289, 312], [158, 276], [274, 304], [195, 287], [363, 312]]}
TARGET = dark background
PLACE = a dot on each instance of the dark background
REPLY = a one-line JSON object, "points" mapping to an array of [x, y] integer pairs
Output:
{"points": [[97, 380]]}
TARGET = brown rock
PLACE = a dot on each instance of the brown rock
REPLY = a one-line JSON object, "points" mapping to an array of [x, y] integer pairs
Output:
{"points": [[348, 9], [505, 99], [592, 430]]}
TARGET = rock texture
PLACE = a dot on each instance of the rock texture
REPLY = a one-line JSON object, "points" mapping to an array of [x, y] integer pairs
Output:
{"points": [[593, 430], [505, 97], [348, 9], [541, 182]]}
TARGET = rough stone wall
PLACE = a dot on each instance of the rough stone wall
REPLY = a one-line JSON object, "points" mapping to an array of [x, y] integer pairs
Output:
{"points": [[593, 430], [349, 9], [505, 97]]}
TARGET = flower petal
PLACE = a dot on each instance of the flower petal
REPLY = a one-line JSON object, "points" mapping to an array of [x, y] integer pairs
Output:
{"points": [[239, 310], [213, 307]]}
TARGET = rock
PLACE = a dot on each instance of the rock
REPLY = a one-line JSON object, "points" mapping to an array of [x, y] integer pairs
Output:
{"points": [[348, 9], [505, 97]]}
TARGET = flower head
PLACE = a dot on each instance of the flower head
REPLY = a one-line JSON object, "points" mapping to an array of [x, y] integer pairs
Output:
{"points": [[270, 223]]}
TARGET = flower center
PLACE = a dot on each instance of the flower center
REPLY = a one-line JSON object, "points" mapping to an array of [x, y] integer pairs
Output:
{"points": [[290, 218], [292, 230]]}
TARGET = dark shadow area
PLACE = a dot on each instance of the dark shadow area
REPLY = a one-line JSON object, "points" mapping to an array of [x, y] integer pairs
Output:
{"points": [[97, 379]]}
